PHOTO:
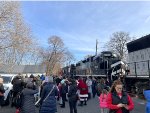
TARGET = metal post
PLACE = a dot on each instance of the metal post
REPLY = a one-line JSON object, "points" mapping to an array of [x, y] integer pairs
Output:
{"points": [[135, 69], [96, 46], [149, 71], [107, 68]]}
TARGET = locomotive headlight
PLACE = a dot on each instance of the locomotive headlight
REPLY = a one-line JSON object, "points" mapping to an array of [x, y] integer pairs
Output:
{"points": [[114, 55]]}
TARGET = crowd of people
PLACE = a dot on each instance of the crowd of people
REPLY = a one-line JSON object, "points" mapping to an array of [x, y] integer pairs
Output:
{"points": [[74, 91]]}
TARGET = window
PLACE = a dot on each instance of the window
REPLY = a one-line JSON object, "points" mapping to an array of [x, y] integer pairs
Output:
{"points": [[6, 79]]}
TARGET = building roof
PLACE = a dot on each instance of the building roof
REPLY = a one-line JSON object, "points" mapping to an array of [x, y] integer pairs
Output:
{"points": [[138, 44], [15, 69]]}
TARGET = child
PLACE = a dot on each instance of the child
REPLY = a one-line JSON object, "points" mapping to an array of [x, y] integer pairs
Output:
{"points": [[103, 101]]}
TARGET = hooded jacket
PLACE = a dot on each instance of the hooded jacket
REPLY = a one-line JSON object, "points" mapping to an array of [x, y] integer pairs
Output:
{"points": [[147, 96]]}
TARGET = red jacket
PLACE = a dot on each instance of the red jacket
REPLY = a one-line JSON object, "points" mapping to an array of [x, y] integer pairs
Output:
{"points": [[103, 101], [82, 87], [112, 106]]}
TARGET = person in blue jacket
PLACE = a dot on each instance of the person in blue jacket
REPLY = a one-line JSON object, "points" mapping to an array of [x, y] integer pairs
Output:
{"points": [[42, 78], [147, 97], [48, 97]]}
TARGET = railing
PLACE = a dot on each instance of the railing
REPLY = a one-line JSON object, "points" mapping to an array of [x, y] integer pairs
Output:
{"points": [[139, 69]]}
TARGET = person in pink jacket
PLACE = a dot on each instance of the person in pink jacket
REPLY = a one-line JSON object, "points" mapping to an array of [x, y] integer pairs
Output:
{"points": [[103, 101]]}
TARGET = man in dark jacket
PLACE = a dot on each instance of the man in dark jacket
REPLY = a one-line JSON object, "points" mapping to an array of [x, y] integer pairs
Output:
{"points": [[72, 95]]}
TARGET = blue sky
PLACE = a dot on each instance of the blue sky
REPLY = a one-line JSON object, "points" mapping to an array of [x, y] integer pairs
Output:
{"points": [[80, 23]]}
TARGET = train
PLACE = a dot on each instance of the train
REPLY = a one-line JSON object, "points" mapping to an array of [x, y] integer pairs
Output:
{"points": [[135, 73], [106, 64], [138, 76]]}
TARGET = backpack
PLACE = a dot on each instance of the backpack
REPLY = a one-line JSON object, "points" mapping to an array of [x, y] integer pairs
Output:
{"points": [[18, 100]]}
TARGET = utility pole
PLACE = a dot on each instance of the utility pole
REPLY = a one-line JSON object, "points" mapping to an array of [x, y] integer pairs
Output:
{"points": [[96, 46]]}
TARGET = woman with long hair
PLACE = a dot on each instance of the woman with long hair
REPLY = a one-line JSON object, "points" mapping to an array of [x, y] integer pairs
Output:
{"points": [[119, 101]]}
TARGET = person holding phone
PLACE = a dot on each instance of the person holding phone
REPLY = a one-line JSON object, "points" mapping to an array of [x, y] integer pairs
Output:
{"points": [[119, 101]]}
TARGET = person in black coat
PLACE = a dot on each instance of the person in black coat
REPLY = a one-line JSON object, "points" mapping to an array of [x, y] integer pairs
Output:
{"points": [[18, 86], [94, 85], [72, 95], [28, 100]]}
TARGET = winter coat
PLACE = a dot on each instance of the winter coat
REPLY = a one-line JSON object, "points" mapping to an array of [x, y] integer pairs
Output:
{"points": [[113, 99], [63, 90], [72, 94], [28, 100], [147, 96], [18, 84], [82, 87], [49, 105], [103, 101], [94, 84], [89, 84]]}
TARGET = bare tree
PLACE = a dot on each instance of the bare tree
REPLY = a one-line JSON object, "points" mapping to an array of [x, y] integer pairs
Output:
{"points": [[15, 35], [54, 53], [117, 43], [55, 56], [68, 58]]}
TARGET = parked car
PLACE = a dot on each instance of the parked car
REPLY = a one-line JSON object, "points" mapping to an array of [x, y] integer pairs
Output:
{"points": [[7, 86]]}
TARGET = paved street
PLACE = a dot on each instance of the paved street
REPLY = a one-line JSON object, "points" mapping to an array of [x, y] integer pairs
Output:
{"points": [[92, 107]]}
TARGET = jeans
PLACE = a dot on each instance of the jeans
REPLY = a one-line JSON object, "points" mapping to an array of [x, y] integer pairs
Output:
{"points": [[73, 106], [104, 110]]}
